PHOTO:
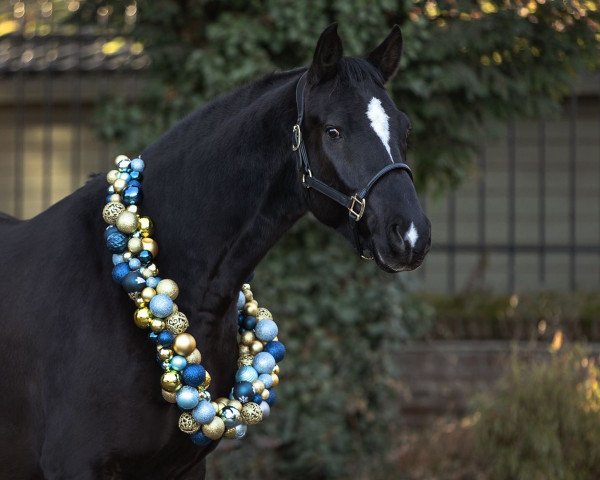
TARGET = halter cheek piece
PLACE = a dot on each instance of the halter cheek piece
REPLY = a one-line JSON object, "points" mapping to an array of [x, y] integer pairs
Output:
{"points": [[356, 203]]}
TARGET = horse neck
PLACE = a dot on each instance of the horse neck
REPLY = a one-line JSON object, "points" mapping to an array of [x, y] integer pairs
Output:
{"points": [[222, 188]]}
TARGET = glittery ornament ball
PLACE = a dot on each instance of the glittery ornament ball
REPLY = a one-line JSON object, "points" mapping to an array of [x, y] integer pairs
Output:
{"points": [[264, 313], [246, 373], [194, 375], [277, 349], [170, 397], [194, 358], [243, 392], [272, 398], [152, 281], [187, 398], [266, 379], [266, 330], [215, 429], [137, 165], [168, 287], [165, 338], [204, 412], [264, 362], [119, 271], [127, 222], [199, 438], [161, 305]]}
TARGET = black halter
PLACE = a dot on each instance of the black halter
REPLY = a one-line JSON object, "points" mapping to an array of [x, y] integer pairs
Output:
{"points": [[356, 203]]}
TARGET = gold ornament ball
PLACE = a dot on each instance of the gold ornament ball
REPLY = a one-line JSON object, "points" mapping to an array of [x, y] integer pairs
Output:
{"points": [[248, 295], [111, 212], [245, 359], [152, 268], [206, 382], [132, 208], [275, 378], [187, 424], [119, 185], [168, 287], [120, 158], [184, 344], [251, 309], [142, 317], [216, 406], [170, 381], [263, 313], [244, 349], [245, 286], [195, 357], [230, 433], [150, 245], [258, 386], [139, 302], [146, 227], [251, 413], [127, 222], [165, 354], [148, 293], [235, 404], [112, 176], [265, 394], [256, 347], [115, 197], [134, 245], [177, 323], [157, 325], [276, 369], [170, 397], [247, 338], [127, 256], [215, 429]]}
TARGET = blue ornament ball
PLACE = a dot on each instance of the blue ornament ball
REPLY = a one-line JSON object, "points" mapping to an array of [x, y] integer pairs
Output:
{"points": [[194, 375], [125, 176], [136, 176], [243, 392], [134, 264], [152, 282], [116, 242], [241, 301], [178, 363], [266, 330], [137, 165], [264, 362], [267, 379], [153, 336], [246, 373], [117, 258], [199, 438], [120, 271], [249, 322], [277, 349], [133, 282], [110, 229], [132, 195], [145, 258], [187, 398], [204, 412], [165, 338], [272, 398], [161, 305], [257, 399]]}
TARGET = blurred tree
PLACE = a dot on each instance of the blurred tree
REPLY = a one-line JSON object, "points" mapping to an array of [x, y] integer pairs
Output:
{"points": [[465, 62]]}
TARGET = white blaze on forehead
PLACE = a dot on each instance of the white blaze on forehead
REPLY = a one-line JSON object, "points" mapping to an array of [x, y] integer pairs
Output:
{"points": [[380, 123], [411, 235]]}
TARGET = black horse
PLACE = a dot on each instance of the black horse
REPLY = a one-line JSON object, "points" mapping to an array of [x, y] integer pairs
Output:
{"points": [[80, 394]]}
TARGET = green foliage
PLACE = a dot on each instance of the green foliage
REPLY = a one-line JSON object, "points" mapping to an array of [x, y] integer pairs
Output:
{"points": [[342, 320], [465, 62], [543, 421]]}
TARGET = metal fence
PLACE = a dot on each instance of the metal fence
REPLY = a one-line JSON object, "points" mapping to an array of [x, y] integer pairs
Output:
{"points": [[528, 219]]}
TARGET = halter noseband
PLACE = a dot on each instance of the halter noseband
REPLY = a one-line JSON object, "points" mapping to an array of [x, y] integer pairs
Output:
{"points": [[356, 203]]}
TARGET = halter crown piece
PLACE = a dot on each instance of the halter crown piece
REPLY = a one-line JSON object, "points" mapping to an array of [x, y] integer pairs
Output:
{"points": [[184, 380], [356, 203]]}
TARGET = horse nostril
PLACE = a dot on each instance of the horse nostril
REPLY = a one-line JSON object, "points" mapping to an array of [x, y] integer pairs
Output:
{"points": [[398, 238]]}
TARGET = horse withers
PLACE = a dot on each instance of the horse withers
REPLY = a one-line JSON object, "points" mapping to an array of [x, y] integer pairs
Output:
{"points": [[80, 398]]}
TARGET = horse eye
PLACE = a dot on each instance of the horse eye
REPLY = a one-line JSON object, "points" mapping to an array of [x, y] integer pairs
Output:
{"points": [[333, 132]]}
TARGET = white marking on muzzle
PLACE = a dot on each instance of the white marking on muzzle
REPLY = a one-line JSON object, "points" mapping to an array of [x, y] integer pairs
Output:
{"points": [[380, 123], [411, 235]]}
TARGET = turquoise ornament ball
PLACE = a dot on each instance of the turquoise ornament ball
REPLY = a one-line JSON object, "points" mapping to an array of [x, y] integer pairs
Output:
{"points": [[204, 412], [187, 398], [267, 379], [161, 305], [178, 363], [266, 330], [264, 362], [246, 373]]}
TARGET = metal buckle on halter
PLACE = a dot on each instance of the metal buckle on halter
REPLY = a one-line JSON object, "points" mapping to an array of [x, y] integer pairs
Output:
{"points": [[309, 173], [361, 202], [297, 137]]}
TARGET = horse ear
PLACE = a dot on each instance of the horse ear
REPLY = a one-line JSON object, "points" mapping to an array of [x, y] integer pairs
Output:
{"points": [[327, 55], [386, 57]]}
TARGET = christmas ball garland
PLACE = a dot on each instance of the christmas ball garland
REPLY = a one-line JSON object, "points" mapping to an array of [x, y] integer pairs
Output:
{"points": [[185, 381]]}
